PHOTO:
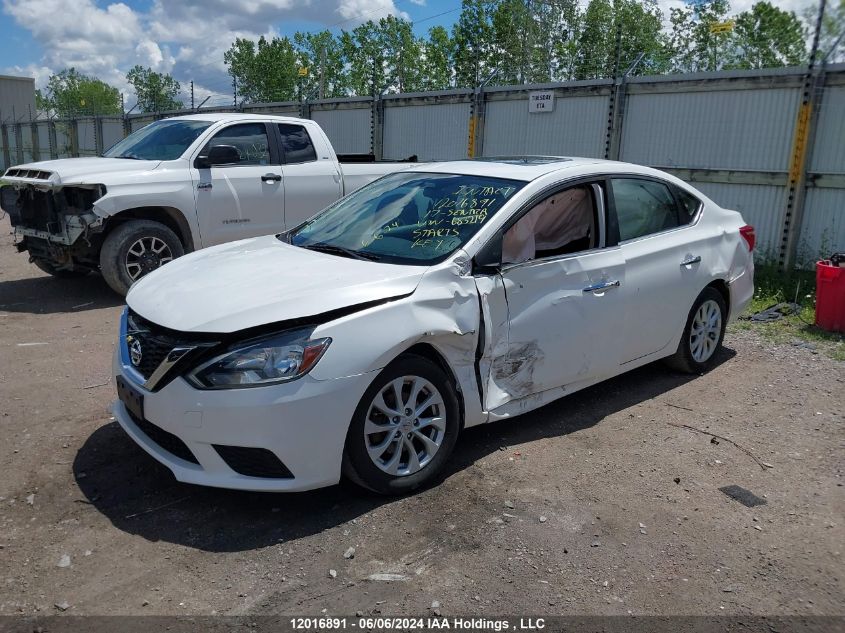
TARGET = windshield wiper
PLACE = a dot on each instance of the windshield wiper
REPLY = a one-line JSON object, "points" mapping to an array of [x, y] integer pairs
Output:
{"points": [[331, 249]]}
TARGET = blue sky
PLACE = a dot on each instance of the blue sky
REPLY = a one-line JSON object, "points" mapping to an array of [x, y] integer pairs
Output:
{"points": [[184, 37]]}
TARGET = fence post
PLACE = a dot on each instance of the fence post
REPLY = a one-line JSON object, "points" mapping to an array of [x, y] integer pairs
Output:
{"points": [[378, 127], [36, 142], [4, 137], [98, 135], [477, 114], [18, 143], [73, 133], [805, 122], [51, 140]]}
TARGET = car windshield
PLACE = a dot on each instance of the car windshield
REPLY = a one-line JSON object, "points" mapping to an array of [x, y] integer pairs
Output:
{"points": [[407, 217], [162, 140]]}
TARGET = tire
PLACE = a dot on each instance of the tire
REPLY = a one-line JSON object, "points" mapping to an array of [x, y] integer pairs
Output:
{"points": [[703, 334], [134, 249], [50, 269], [359, 467]]}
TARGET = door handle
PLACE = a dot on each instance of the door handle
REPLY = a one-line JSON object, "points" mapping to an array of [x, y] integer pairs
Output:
{"points": [[689, 261], [271, 178], [204, 185], [603, 285]]}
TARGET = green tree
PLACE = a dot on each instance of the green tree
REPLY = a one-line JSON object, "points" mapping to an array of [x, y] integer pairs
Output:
{"points": [[438, 53], [265, 71], [473, 40], [382, 55], [70, 93], [321, 53], [831, 42], [767, 37], [693, 47], [641, 24], [156, 92]]}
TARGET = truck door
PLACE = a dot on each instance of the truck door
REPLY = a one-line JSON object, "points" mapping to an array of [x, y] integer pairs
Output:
{"points": [[242, 199], [312, 181]]}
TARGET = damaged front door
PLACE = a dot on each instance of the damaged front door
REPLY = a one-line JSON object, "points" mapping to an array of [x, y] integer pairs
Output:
{"points": [[562, 291]]}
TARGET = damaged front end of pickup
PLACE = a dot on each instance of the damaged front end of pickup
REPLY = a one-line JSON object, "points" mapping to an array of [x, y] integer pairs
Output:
{"points": [[56, 223]]}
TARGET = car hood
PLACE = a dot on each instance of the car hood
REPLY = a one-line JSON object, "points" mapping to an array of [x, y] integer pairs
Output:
{"points": [[90, 170], [260, 281]]}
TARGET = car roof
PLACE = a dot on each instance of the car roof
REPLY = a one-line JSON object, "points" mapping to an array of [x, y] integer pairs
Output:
{"points": [[232, 116], [525, 168]]}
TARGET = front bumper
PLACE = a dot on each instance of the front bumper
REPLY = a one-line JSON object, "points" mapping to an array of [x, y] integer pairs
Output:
{"points": [[303, 423]]}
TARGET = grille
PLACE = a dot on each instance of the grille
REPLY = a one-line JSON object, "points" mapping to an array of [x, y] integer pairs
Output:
{"points": [[164, 439], [253, 462], [36, 174], [156, 342]]}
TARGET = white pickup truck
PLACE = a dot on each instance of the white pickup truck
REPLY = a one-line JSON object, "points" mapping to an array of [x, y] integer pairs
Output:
{"points": [[175, 186]]}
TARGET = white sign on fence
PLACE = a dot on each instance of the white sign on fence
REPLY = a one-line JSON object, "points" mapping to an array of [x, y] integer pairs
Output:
{"points": [[541, 101]]}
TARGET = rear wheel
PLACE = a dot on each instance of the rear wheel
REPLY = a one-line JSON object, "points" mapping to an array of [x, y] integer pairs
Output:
{"points": [[404, 428], [51, 269], [703, 334], [134, 249]]}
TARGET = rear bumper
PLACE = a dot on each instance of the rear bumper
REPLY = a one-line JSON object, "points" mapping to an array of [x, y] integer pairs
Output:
{"points": [[303, 423], [742, 290]]}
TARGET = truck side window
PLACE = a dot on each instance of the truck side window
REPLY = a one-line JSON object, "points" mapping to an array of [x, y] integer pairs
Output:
{"points": [[250, 139], [296, 143]]}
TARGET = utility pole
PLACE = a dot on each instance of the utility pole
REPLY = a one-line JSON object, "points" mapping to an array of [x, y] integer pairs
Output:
{"points": [[235, 91], [192, 94]]}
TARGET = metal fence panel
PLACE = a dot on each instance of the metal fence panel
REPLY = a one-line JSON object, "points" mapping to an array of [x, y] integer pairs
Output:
{"points": [[43, 129], [63, 146], [349, 130], [87, 137], [728, 129], [760, 206], [26, 143], [576, 127], [829, 146], [432, 132], [139, 122], [112, 132], [823, 228], [13, 145]]}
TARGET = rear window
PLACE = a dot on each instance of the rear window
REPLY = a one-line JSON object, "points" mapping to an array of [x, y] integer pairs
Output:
{"points": [[296, 144]]}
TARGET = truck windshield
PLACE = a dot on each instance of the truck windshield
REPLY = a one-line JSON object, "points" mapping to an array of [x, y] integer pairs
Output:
{"points": [[407, 217], [162, 140]]}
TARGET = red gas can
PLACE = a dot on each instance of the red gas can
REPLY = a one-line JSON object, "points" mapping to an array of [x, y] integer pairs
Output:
{"points": [[830, 296]]}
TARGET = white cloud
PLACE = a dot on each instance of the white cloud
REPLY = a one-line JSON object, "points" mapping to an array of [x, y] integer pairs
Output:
{"points": [[184, 37]]}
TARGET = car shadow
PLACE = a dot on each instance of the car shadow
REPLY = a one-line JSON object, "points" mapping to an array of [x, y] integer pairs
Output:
{"points": [[140, 496], [49, 295]]}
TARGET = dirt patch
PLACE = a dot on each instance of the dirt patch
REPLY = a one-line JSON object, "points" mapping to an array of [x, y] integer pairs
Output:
{"points": [[634, 519]]}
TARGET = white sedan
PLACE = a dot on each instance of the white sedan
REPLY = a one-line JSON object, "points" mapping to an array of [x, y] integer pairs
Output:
{"points": [[363, 341]]}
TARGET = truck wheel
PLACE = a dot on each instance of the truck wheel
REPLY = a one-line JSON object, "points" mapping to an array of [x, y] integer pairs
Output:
{"points": [[134, 249], [50, 269]]}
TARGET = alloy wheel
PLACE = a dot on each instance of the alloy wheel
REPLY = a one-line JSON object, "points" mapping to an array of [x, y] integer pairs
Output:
{"points": [[705, 331], [405, 425], [145, 255]]}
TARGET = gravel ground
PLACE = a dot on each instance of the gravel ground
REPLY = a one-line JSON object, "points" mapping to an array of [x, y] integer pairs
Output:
{"points": [[595, 504]]}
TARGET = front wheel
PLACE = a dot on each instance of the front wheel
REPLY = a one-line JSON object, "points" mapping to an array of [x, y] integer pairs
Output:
{"points": [[134, 249], [404, 428], [703, 334]]}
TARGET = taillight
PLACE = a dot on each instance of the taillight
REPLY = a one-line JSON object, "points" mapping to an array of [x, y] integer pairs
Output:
{"points": [[749, 236]]}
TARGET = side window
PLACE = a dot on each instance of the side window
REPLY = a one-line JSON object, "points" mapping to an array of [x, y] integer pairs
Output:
{"points": [[689, 206], [562, 223], [250, 139], [643, 207], [296, 143]]}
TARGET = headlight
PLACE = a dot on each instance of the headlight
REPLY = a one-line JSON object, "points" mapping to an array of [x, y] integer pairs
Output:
{"points": [[266, 361]]}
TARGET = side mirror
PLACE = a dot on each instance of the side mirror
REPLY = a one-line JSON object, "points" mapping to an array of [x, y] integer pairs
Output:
{"points": [[218, 155], [489, 259]]}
